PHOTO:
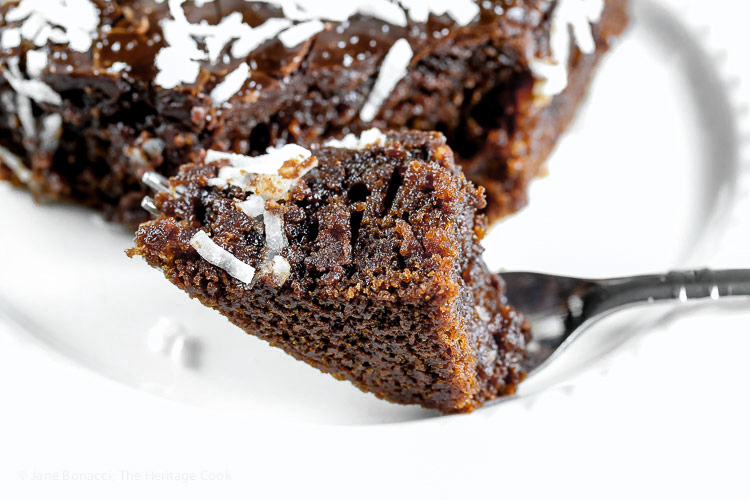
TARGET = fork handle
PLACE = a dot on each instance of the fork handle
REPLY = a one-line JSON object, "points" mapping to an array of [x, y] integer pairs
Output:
{"points": [[680, 285]]}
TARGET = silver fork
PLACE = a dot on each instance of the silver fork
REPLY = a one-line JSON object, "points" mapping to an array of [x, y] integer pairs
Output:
{"points": [[561, 309], [159, 184]]}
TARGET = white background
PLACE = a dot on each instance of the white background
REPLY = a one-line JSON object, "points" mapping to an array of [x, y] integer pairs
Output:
{"points": [[669, 416]]}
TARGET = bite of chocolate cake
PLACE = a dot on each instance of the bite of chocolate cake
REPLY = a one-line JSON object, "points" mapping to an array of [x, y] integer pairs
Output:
{"points": [[361, 257]]}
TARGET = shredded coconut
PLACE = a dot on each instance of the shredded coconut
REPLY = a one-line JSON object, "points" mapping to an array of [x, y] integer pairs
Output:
{"points": [[281, 269], [162, 335], [575, 15], [219, 257], [275, 237], [185, 352], [254, 206], [175, 68], [364, 141], [33, 89], [341, 10], [231, 84], [263, 175], [392, 12], [462, 11], [169, 337], [26, 91], [301, 32], [251, 39], [8, 99], [51, 132], [268, 164], [71, 22], [154, 146], [179, 62], [384, 10], [394, 69], [36, 62], [26, 115], [270, 176], [11, 38], [118, 67], [14, 163]]}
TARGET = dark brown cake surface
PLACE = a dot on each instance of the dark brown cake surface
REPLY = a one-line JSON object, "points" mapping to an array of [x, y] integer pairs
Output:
{"points": [[94, 93], [362, 260]]}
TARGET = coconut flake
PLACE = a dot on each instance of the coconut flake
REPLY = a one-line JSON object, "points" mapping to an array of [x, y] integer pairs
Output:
{"points": [[268, 164], [231, 84], [270, 176], [26, 115], [462, 11], [263, 175], [300, 33], [355, 143], [389, 11], [575, 15], [154, 146], [118, 67], [8, 99], [71, 22], [253, 206], [11, 38], [185, 352], [275, 237], [281, 269], [214, 254], [26, 90], [217, 37], [175, 68], [251, 39], [552, 79], [14, 163], [33, 26], [33, 89], [49, 137], [169, 337], [341, 10], [179, 62], [36, 62], [382, 9], [163, 334], [395, 67]]}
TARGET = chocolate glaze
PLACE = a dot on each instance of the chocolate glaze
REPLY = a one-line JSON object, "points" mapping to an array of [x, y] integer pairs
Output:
{"points": [[470, 82]]}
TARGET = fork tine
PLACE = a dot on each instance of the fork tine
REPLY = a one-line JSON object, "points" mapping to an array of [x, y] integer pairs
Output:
{"points": [[155, 181], [148, 204]]}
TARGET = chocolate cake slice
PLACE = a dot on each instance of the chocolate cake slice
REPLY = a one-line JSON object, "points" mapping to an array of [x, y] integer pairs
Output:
{"points": [[360, 257], [94, 93]]}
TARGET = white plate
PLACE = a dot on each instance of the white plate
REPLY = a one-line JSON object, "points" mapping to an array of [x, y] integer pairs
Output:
{"points": [[641, 183]]}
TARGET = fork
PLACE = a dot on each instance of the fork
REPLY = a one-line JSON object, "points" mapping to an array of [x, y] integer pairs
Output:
{"points": [[561, 309]]}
